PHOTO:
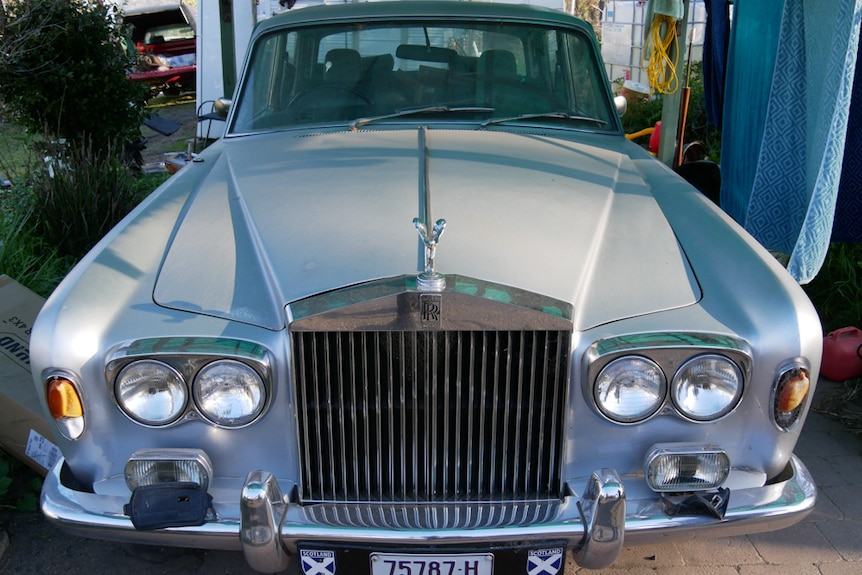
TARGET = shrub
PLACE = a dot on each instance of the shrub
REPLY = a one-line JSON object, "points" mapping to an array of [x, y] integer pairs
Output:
{"points": [[90, 191], [645, 113], [26, 257], [19, 487], [697, 126], [64, 71], [836, 291]]}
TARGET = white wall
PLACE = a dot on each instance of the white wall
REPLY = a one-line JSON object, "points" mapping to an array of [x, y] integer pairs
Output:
{"points": [[210, 78]]}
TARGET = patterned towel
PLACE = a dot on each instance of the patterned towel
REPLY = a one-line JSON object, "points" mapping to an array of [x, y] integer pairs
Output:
{"points": [[796, 164]]}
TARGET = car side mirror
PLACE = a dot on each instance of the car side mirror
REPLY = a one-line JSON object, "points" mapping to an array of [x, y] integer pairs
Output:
{"points": [[222, 106], [622, 105]]}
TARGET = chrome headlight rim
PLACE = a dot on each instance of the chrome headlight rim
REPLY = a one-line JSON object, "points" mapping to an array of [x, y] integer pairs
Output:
{"points": [[188, 355], [244, 421], [128, 411], [720, 414], [644, 415]]}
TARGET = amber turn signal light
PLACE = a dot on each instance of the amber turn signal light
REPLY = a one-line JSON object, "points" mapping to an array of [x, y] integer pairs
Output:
{"points": [[793, 392], [792, 387], [63, 399]]}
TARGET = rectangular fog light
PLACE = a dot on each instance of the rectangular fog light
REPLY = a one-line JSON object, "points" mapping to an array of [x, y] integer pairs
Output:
{"points": [[155, 466], [673, 467]]}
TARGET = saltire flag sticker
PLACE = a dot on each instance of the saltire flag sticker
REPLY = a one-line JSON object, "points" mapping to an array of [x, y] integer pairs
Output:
{"points": [[317, 562], [545, 561]]}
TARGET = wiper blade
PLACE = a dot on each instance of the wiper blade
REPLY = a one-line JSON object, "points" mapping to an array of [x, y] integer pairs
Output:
{"points": [[358, 123], [558, 115]]}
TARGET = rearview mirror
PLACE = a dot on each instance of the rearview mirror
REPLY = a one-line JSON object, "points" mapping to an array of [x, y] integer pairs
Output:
{"points": [[622, 105], [222, 106]]}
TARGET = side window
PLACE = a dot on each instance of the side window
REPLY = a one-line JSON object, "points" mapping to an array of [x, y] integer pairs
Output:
{"points": [[559, 76], [270, 82], [587, 89]]}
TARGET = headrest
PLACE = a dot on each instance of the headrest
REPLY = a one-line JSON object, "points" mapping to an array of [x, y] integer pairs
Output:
{"points": [[498, 63]]}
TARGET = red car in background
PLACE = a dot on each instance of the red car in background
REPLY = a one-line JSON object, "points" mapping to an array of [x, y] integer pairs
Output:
{"points": [[163, 33]]}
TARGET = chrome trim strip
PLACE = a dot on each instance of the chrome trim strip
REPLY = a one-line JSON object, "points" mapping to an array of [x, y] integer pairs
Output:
{"points": [[428, 280], [671, 339], [392, 305], [202, 346], [777, 505], [424, 177]]}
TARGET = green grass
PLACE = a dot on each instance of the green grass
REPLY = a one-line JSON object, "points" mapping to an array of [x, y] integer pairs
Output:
{"points": [[836, 292], [16, 151]]}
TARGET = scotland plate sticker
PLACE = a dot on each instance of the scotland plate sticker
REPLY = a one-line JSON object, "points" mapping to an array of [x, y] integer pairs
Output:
{"points": [[545, 561], [317, 562]]}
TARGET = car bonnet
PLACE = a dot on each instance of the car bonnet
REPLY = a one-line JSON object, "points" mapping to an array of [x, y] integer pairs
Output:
{"points": [[283, 216]]}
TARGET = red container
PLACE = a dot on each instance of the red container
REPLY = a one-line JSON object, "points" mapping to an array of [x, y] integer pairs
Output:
{"points": [[842, 354]]}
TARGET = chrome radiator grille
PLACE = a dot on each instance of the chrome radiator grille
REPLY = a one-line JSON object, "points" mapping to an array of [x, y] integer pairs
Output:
{"points": [[438, 516], [430, 416]]}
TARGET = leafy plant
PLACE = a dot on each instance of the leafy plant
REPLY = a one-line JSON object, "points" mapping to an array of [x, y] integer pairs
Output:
{"points": [[641, 112], [698, 127], [19, 486], [644, 113], [64, 71]]}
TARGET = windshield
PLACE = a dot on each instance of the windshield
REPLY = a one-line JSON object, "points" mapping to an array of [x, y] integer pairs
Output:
{"points": [[391, 71]]}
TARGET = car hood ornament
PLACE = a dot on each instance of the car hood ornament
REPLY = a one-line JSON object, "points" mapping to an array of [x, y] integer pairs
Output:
{"points": [[429, 279]]}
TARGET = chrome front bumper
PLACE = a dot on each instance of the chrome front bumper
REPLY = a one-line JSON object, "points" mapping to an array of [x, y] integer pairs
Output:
{"points": [[268, 529]]}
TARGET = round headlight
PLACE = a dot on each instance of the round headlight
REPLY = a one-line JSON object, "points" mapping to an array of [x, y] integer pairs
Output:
{"points": [[229, 393], [707, 387], [630, 389], [151, 392]]}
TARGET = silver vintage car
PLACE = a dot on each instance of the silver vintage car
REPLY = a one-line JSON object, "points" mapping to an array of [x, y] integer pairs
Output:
{"points": [[425, 310]]}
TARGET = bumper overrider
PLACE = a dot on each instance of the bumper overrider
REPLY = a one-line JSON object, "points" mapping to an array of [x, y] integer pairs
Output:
{"points": [[272, 531]]}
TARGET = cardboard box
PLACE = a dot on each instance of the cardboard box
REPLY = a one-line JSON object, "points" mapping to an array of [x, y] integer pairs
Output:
{"points": [[25, 432]]}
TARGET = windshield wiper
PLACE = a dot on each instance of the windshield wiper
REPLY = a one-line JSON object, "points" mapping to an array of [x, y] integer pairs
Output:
{"points": [[557, 115], [358, 123]]}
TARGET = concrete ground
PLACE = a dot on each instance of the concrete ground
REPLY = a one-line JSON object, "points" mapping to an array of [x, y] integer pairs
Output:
{"points": [[827, 542]]}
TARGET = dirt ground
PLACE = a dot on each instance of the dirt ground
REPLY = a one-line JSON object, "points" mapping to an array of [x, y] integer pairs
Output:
{"points": [[37, 547], [180, 109]]}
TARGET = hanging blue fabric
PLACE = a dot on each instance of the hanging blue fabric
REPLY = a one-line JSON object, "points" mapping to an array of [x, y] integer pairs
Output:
{"points": [[795, 166], [750, 62], [715, 46], [848, 209]]}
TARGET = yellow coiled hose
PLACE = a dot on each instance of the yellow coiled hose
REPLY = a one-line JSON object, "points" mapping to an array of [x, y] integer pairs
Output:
{"points": [[662, 40]]}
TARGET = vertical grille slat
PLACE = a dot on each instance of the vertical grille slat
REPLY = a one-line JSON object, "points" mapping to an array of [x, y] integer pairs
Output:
{"points": [[430, 416]]}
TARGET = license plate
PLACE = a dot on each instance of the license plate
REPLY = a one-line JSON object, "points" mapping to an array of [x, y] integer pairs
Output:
{"points": [[431, 564]]}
